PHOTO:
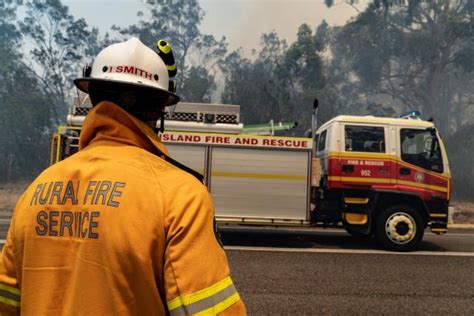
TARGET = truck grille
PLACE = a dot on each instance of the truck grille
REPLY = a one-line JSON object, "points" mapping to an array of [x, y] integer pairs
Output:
{"points": [[199, 117], [182, 116], [227, 118], [81, 111]]}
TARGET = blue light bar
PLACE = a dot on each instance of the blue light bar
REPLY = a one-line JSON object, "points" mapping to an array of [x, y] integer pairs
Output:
{"points": [[411, 114]]}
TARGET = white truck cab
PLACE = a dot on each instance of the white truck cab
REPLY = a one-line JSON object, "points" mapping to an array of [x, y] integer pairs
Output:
{"points": [[390, 175]]}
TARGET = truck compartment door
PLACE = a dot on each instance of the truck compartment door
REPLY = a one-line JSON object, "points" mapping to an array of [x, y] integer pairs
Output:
{"points": [[260, 184]]}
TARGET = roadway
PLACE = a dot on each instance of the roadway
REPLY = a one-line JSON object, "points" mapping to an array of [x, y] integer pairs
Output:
{"points": [[310, 272], [317, 271]]}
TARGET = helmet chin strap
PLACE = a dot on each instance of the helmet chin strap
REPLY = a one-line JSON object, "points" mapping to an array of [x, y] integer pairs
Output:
{"points": [[162, 122]]}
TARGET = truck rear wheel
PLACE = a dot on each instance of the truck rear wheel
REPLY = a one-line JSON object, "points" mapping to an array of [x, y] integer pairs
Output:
{"points": [[399, 228]]}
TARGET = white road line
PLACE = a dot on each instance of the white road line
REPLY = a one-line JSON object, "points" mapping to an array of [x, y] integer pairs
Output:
{"points": [[314, 229], [351, 251], [331, 231], [452, 234]]}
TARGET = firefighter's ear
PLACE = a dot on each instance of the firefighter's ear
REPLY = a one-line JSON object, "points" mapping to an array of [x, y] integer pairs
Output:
{"points": [[86, 71]]}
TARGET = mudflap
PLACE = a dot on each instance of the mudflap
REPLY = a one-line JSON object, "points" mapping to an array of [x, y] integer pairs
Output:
{"points": [[356, 215]]}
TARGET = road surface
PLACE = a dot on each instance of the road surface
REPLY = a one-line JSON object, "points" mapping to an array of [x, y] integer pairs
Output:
{"points": [[317, 271], [329, 272]]}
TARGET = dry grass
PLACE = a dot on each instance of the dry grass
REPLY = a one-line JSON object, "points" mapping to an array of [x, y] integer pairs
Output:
{"points": [[9, 194], [463, 212]]}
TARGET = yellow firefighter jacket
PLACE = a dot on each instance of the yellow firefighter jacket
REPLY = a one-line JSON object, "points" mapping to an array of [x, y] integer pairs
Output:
{"points": [[115, 230]]}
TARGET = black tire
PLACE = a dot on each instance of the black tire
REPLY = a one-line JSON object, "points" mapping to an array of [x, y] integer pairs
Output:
{"points": [[399, 228]]}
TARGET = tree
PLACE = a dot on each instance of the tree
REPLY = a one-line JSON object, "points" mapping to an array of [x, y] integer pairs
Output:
{"points": [[62, 45], [25, 117], [304, 66], [198, 56], [460, 146], [259, 86], [199, 84], [9, 36], [412, 55], [282, 81]]}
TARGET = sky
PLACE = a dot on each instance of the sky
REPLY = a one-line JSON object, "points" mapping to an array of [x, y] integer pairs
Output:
{"points": [[242, 22]]}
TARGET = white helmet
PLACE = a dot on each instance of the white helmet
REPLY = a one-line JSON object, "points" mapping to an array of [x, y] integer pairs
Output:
{"points": [[131, 63]]}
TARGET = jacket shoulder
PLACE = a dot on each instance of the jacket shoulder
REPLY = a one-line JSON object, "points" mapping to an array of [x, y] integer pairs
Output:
{"points": [[171, 171]]}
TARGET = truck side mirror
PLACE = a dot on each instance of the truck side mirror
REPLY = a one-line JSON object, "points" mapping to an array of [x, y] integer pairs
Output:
{"points": [[315, 104]]}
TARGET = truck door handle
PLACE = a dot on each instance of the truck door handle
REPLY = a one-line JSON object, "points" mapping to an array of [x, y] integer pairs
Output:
{"points": [[347, 168], [404, 171]]}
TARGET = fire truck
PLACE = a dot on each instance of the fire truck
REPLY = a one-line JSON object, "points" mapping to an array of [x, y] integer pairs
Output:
{"points": [[386, 178]]}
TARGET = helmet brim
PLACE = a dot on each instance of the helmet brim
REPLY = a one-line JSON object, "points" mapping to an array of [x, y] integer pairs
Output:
{"points": [[83, 85]]}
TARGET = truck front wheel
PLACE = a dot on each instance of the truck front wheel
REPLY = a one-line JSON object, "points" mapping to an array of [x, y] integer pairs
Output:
{"points": [[399, 228]]}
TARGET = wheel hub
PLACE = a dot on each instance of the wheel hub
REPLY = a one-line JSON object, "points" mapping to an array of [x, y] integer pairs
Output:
{"points": [[400, 228]]}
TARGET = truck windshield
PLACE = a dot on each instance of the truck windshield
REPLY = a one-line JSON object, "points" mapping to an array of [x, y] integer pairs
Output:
{"points": [[322, 141], [421, 148]]}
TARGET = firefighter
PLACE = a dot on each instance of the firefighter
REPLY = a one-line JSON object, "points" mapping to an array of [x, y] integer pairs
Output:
{"points": [[118, 228]]}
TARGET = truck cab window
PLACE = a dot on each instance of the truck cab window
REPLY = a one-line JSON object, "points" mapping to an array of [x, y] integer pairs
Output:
{"points": [[322, 141], [365, 138], [421, 148]]}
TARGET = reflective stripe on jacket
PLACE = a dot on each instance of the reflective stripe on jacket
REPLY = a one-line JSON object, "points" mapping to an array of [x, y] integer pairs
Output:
{"points": [[115, 230]]}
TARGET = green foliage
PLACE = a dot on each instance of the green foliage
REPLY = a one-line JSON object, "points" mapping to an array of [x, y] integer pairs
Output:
{"points": [[258, 86], [10, 37], [25, 132], [24, 128], [282, 81], [304, 64], [196, 53], [460, 146], [62, 45], [199, 84], [36, 87], [411, 55]]}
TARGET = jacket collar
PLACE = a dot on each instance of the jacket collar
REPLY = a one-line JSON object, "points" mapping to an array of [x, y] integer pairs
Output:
{"points": [[109, 123]]}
